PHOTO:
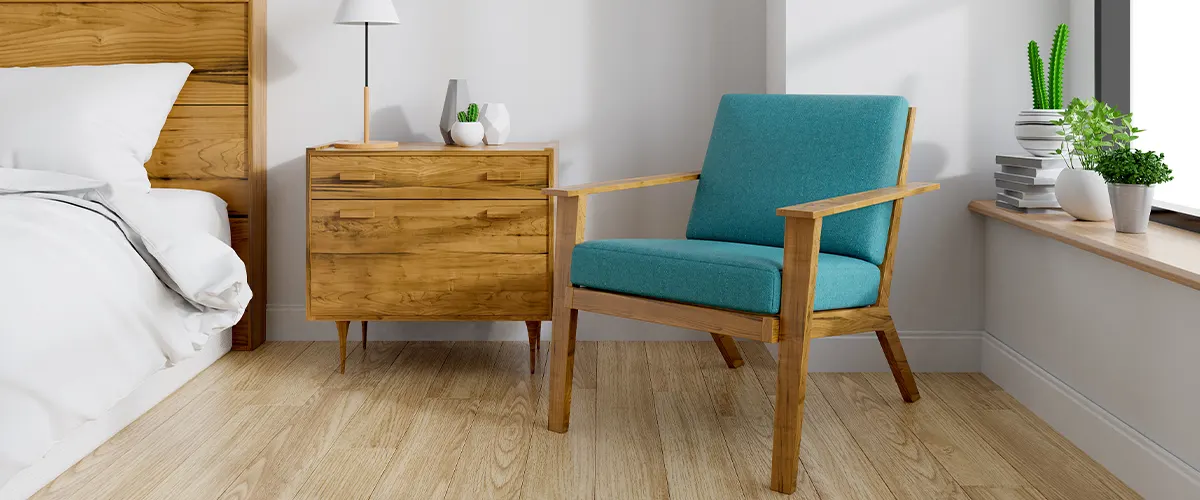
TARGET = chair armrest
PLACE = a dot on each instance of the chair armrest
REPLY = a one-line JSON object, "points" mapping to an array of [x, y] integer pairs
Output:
{"points": [[831, 206], [622, 184]]}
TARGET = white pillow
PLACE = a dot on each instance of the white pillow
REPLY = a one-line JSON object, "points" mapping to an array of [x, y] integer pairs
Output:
{"points": [[100, 122]]}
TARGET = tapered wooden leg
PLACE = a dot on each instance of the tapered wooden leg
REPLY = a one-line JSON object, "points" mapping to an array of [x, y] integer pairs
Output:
{"points": [[889, 340], [343, 328], [364, 330], [535, 342], [562, 367], [801, 245], [728, 349]]}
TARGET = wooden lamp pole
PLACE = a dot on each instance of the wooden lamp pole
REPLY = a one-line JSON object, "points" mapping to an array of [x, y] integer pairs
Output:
{"points": [[367, 12]]}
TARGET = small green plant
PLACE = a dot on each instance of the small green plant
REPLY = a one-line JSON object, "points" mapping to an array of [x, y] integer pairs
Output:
{"points": [[1133, 166], [470, 115], [1047, 84], [1091, 128]]}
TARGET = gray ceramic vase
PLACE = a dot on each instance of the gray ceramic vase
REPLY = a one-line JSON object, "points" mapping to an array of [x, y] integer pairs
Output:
{"points": [[457, 99]]}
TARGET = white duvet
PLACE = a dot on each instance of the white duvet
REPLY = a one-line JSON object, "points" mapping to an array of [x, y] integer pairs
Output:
{"points": [[96, 294]]}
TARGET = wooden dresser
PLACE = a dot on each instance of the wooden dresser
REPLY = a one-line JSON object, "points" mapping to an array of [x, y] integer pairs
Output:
{"points": [[428, 232]]}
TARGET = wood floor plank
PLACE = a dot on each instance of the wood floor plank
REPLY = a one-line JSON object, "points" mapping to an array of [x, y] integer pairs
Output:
{"points": [[746, 418], [1056, 468], [906, 466], [563, 466], [763, 364], [392, 406], [365, 368], [209, 469], [464, 375], [424, 464], [346, 474], [497, 449], [694, 450], [268, 360], [628, 445], [960, 391], [152, 459], [1002, 493], [965, 455], [299, 380], [94, 464], [287, 460]]}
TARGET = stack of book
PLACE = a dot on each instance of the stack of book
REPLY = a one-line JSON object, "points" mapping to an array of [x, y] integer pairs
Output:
{"points": [[1026, 183]]}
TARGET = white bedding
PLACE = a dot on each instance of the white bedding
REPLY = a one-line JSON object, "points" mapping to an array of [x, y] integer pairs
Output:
{"points": [[201, 210], [92, 305]]}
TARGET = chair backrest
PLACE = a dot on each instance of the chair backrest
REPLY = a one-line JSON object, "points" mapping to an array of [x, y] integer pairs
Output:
{"points": [[771, 151]]}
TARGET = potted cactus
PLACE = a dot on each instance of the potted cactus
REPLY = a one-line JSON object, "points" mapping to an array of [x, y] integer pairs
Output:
{"points": [[1035, 129], [468, 131]]}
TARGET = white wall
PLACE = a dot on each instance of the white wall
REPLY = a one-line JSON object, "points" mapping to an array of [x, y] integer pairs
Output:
{"points": [[628, 87], [963, 65], [1123, 339]]}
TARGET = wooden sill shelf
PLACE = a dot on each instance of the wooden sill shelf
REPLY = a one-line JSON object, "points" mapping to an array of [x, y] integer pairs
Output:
{"points": [[1164, 251]]}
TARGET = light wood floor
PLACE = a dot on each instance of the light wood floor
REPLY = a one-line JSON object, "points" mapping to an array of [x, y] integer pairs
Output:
{"points": [[649, 420]]}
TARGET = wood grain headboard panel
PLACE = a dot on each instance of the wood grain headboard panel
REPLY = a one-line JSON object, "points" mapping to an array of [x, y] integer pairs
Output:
{"points": [[215, 137]]}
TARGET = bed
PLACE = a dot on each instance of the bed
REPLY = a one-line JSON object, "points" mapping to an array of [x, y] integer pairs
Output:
{"points": [[213, 141]]}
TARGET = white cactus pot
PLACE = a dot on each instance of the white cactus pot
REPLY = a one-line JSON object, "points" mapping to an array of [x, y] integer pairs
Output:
{"points": [[467, 133], [1083, 194], [496, 124], [1036, 133]]}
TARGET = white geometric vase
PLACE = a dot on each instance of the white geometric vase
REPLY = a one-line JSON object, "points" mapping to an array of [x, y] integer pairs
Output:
{"points": [[496, 126]]}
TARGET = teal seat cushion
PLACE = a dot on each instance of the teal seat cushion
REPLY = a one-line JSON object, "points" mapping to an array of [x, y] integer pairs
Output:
{"points": [[771, 151], [719, 274]]}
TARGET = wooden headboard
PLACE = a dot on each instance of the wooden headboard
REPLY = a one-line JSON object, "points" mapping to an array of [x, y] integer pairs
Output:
{"points": [[215, 137]]}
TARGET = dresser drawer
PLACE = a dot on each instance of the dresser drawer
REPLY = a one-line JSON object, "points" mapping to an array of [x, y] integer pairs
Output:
{"points": [[409, 177], [428, 286], [417, 226]]}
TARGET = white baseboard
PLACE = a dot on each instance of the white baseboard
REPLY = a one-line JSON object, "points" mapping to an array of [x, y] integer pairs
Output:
{"points": [[926, 351], [1145, 466]]}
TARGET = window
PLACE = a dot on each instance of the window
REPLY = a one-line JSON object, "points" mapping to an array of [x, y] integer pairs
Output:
{"points": [[1162, 91]]}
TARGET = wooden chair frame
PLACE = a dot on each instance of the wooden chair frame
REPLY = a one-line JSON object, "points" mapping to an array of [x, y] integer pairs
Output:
{"points": [[793, 328]]}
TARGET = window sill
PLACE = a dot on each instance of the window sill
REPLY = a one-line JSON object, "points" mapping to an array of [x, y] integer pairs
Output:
{"points": [[1164, 251]]}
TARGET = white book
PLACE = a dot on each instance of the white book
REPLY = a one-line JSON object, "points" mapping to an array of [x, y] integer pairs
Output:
{"points": [[1051, 173], [1002, 204], [1020, 203], [1024, 179], [1029, 196], [1031, 161], [1024, 188]]}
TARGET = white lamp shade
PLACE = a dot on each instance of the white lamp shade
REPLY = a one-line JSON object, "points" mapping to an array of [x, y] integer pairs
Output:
{"points": [[367, 12]]}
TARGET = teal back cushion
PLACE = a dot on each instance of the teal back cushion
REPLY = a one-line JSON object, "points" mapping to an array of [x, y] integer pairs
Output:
{"points": [[771, 151]]}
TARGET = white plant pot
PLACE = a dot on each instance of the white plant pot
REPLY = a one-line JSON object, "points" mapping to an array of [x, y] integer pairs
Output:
{"points": [[1131, 207], [496, 125], [1036, 133], [467, 134], [1082, 193]]}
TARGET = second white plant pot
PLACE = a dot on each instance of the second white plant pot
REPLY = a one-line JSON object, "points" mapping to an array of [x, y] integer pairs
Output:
{"points": [[496, 124], [1037, 133], [467, 133], [1083, 194]]}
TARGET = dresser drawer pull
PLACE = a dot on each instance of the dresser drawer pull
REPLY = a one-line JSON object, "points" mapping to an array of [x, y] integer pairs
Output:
{"points": [[356, 176], [356, 213], [503, 176], [500, 213]]}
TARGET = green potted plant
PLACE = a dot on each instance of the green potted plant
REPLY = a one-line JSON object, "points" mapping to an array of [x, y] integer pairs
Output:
{"points": [[1088, 129], [1034, 128], [1131, 175], [468, 131]]}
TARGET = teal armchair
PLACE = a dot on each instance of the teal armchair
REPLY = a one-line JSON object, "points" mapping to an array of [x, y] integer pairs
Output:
{"points": [[792, 237]]}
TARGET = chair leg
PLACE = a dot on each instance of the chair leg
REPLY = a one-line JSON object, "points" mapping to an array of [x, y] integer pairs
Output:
{"points": [[534, 329], [889, 340], [789, 412], [343, 328], [562, 366], [728, 349]]}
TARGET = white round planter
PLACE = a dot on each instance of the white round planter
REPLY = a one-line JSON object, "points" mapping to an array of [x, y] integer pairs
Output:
{"points": [[1083, 194], [1036, 133], [467, 133]]}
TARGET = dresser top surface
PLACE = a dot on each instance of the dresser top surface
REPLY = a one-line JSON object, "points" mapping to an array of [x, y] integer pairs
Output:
{"points": [[440, 148]]}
